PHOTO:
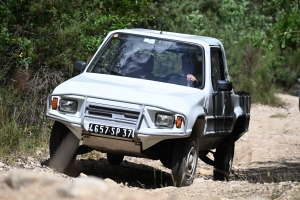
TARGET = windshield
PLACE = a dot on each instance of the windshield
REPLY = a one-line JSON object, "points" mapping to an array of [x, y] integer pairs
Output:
{"points": [[153, 59]]}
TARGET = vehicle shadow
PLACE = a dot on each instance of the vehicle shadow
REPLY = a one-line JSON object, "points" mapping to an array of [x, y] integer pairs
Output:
{"points": [[128, 173], [273, 172], [148, 177]]}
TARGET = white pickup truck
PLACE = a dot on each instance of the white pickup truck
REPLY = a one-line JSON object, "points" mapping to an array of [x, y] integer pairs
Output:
{"points": [[152, 94]]}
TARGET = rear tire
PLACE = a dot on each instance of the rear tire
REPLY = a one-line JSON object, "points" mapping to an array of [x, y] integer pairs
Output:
{"points": [[223, 159], [185, 159], [115, 159], [63, 146]]}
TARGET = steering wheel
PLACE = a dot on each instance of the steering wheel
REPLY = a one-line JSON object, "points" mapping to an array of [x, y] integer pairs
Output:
{"points": [[178, 80], [173, 74]]}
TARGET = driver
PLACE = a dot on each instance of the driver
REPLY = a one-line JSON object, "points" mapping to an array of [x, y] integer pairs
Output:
{"points": [[188, 68], [187, 78]]}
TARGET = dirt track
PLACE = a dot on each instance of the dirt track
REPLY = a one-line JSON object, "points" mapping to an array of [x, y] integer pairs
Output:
{"points": [[272, 146], [267, 161]]}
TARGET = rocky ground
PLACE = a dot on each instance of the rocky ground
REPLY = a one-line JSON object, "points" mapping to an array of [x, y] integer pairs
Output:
{"points": [[266, 166]]}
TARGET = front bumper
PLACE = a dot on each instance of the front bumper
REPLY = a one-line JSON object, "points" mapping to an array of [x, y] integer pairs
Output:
{"points": [[135, 116]]}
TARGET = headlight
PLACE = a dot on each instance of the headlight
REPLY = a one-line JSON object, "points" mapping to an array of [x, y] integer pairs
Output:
{"points": [[68, 105], [164, 120]]}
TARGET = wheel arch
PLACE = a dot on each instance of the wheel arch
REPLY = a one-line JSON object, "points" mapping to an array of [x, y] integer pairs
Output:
{"points": [[199, 126]]}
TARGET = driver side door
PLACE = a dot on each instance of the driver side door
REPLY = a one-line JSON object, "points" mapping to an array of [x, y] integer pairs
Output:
{"points": [[221, 112]]}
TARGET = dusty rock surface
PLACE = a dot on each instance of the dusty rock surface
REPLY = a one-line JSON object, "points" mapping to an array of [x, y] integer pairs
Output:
{"points": [[266, 166]]}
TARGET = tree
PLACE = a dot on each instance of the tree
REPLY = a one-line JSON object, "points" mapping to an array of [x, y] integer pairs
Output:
{"points": [[284, 28]]}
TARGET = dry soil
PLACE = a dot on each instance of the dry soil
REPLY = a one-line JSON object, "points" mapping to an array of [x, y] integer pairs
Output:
{"points": [[266, 166]]}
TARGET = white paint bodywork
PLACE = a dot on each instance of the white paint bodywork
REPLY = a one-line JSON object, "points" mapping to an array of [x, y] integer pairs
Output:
{"points": [[148, 96], [131, 93]]}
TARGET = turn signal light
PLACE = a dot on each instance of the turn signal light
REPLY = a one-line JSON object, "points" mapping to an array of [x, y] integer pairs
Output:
{"points": [[54, 103], [179, 121]]}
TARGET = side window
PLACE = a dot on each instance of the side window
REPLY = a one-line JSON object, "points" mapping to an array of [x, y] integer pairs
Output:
{"points": [[217, 67]]}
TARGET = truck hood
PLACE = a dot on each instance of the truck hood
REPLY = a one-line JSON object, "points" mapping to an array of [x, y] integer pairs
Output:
{"points": [[139, 91]]}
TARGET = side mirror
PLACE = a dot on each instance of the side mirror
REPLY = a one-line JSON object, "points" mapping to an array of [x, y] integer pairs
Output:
{"points": [[223, 85], [79, 66]]}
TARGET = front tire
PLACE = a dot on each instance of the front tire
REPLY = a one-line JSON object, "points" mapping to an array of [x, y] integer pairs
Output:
{"points": [[166, 161], [115, 159], [185, 159], [223, 159], [63, 146]]}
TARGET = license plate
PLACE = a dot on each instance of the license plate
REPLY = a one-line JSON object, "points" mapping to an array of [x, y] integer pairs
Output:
{"points": [[111, 130]]}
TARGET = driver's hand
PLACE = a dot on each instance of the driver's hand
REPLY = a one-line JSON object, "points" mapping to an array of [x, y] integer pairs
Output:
{"points": [[190, 77]]}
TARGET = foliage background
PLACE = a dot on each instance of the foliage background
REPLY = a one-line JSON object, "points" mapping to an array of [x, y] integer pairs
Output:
{"points": [[41, 39]]}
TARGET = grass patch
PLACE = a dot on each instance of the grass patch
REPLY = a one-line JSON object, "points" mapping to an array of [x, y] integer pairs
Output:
{"points": [[93, 155], [278, 115], [275, 193], [16, 137], [18, 141]]}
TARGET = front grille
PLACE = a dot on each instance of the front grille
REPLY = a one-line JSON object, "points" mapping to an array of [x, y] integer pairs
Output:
{"points": [[112, 113]]}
